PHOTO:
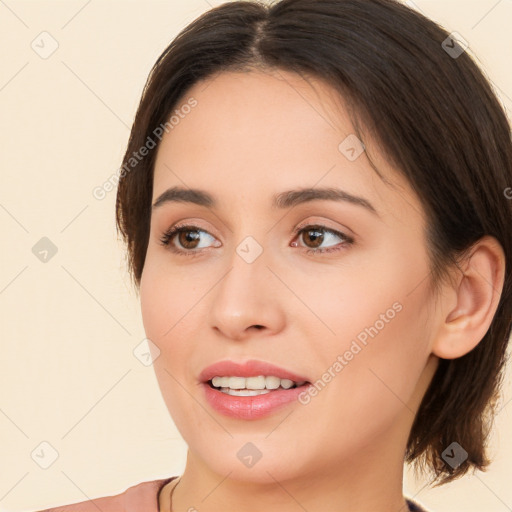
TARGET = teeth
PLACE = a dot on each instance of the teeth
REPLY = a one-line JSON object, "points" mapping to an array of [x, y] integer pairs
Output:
{"points": [[258, 383], [244, 392], [272, 382]]}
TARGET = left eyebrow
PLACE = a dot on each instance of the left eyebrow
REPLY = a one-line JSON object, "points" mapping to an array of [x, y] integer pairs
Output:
{"points": [[286, 199], [290, 198]]}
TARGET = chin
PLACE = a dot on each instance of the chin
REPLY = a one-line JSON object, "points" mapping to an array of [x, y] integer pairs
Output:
{"points": [[248, 458]]}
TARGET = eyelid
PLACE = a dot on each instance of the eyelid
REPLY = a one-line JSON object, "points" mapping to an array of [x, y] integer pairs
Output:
{"points": [[325, 224], [168, 237], [346, 240], [174, 229], [187, 222]]}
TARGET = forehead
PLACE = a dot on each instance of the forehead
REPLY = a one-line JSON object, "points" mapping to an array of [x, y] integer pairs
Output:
{"points": [[257, 133], [257, 115]]}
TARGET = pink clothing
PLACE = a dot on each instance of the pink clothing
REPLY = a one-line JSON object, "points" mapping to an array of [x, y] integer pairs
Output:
{"points": [[142, 497]]}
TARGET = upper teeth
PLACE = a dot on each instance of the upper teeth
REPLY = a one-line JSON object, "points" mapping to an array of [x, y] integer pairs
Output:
{"points": [[259, 382]]}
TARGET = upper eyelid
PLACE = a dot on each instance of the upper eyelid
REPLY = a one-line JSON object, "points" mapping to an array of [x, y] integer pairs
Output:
{"points": [[176, 228], [194, 227]]}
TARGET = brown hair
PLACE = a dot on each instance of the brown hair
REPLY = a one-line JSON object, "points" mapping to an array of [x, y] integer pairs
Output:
{"points": [[433, 114]]}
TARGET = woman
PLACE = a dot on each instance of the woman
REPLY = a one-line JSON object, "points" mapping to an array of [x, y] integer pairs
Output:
{"points": [[316, 203]]}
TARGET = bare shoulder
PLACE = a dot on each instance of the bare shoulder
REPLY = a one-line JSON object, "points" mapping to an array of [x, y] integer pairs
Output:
{"points": [[142, 496]]}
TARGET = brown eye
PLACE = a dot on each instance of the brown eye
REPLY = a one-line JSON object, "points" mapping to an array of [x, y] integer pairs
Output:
{"points": [[313, 236], [188, 239]]}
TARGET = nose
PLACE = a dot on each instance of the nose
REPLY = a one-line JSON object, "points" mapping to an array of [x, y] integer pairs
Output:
{"points": [[247, 300]]}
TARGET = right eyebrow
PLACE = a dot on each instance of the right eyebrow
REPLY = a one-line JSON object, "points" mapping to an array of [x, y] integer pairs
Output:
{"points": [[185, 195]]}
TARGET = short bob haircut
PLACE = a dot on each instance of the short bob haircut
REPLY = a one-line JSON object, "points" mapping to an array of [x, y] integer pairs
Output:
{"points": [[433, 115]]}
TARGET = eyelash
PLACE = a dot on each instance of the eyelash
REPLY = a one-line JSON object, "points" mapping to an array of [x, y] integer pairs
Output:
{"points": [[175, 230]]}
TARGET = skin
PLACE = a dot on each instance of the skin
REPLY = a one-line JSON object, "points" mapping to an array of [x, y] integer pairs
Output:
{"points": [[250, 136]]}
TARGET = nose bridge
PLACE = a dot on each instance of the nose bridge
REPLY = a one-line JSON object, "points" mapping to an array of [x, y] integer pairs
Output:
{"points": [[247, 272], [243, 298]]}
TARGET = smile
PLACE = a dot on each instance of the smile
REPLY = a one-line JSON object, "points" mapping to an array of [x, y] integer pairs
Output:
{"points": [[252, 386]]}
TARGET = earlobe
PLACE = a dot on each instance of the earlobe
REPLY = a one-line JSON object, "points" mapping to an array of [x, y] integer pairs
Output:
{"points": [[478, 292]]}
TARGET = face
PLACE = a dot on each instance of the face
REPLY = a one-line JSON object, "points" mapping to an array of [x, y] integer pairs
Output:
{"points": [[334, 290]]}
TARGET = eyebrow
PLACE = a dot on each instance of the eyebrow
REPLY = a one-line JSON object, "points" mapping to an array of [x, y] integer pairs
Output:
{"points": [[283, 200]]}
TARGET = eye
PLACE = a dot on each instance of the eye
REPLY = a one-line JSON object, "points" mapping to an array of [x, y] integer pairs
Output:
{"points": [[316, 236], [188, 237]]}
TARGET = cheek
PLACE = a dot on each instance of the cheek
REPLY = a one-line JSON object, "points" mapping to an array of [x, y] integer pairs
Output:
{"points": [[165, 298], [170, 319], [152, 301], [374, 383], [378, 344], [164, 306]]}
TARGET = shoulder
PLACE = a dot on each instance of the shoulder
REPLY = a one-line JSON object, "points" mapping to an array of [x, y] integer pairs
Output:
{"points": [[142, 496]]}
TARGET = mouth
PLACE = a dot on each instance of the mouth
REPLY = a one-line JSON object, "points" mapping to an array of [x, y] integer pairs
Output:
{"points": [[250, 390], [252, 386]]}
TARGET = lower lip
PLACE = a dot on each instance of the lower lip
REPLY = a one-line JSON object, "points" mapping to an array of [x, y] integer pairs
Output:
{"points": [[251, 407]]}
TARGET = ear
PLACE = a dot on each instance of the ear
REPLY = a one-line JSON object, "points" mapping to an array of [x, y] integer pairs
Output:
{"points": [[470, 302]]}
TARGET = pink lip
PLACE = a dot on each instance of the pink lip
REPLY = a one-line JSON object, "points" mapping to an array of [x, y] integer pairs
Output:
{"points": [[250, 368], [249, 407]]}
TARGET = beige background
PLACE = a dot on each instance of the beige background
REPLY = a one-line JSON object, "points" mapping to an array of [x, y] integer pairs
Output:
{"points": [[68, 374]]}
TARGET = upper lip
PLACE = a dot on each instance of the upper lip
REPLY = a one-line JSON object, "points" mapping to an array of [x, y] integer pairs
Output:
{"points": [[252, 368]]}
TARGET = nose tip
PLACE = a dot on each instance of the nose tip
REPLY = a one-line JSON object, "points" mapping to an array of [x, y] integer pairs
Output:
{"points": [[244, 295], [239, 334]]}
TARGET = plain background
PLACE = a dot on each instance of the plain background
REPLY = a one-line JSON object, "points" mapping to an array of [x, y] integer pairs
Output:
{"points": [[69, 377]]}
